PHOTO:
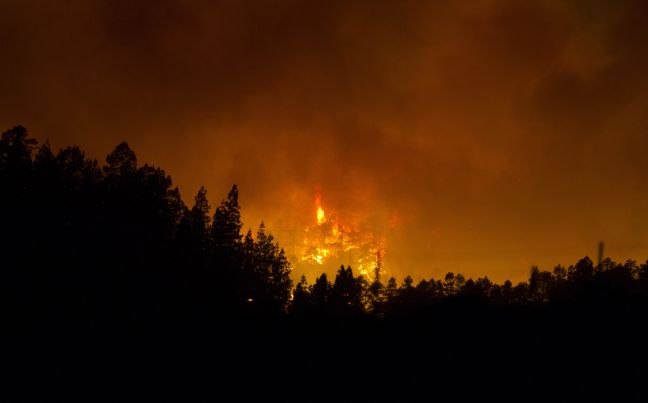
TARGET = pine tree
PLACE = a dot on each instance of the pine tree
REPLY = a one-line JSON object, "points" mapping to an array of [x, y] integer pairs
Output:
{"points": [[346, 292], [264, 251], [301, 297], [249, 253], [199, 220], [391, 291], [16, 149], [375, 296], [226, 225], [320, 293], [280, 283], [44, 157], [121, 160], [264, 254]]}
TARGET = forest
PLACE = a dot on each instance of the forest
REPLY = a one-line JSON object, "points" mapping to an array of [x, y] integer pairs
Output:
{"points": [[112, 247], [82, 239]]}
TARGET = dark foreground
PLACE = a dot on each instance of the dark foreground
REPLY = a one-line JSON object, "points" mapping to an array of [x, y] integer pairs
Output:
{"points": [[509, 356], [111, 288]]}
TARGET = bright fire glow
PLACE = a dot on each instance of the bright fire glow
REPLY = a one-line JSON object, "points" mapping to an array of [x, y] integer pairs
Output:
{"points": [[329, 242], [321, 217]]}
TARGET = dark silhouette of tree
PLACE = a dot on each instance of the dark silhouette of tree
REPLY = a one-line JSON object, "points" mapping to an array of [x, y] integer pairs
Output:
{"points": [[559, 274], [540, 284], [375, 297], [226, 227], [44, 159], [507, 291], [280, 282], [460, 280], [520, 293], [271, 271], [16, 150], [449, 283], [121, 160], [320, 294], [346, 293], [199, 220], [582, 271], [408, 283], [642, 272], [391, 291], [248, 274], [301, 304], [112, 246], [484, 286]]}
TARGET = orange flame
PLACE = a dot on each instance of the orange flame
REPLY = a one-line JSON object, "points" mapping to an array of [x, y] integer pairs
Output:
{"points": [[321, 216]]}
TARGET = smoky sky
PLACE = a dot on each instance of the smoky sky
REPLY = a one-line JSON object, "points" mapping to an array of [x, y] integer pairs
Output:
{"points": [[480, 137]]}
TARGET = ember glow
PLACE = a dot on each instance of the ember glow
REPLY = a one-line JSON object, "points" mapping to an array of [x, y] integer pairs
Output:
{"points": [[329, 242]]}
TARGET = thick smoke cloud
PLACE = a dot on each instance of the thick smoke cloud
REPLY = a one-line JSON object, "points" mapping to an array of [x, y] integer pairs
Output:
{"points": [[495, 134]]}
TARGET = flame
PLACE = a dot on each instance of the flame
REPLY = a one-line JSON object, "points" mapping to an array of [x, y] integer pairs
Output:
{"points": [[321, 216], [330, 241]]}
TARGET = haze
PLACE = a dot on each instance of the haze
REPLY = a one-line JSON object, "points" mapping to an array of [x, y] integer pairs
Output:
{"points": [[479, 137]]}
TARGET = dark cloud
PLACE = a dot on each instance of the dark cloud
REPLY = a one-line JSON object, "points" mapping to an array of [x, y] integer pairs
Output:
{"points": [[500, 133]]}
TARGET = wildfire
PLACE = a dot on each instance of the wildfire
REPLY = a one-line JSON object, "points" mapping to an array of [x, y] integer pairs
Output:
{"points": [[330, 242], [321, 217]]}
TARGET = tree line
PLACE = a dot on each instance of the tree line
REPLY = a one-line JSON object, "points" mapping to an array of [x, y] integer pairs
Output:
{"points": [[81, 239], [116, 240]]}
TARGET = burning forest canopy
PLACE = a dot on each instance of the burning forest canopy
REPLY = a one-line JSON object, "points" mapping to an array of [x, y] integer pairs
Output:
{"points": [[329, 243]]}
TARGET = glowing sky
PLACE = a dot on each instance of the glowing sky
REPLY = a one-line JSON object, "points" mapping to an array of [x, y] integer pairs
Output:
{"points": [[476, 136]]}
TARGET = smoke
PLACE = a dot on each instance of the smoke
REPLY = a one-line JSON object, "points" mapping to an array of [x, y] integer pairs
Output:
{"points": [[500, 133]]}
